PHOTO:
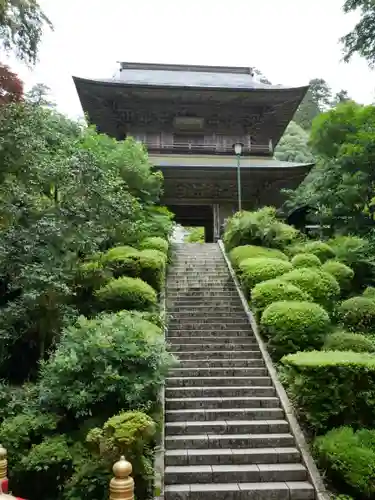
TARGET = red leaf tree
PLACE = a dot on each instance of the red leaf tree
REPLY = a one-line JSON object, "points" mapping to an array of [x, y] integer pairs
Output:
{"points": [[11, 87]]}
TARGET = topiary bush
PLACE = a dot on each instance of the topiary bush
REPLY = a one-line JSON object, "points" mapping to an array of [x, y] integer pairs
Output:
{"points": [[357, 314], [321, 286], [126, 293], [261, 228], [322, 250], [291, 326], [348, 341], [331, 388], [306, 260], [112, 362], [343, 273], [267, 292], [130, 434], [148, 265], [349, 459], [369, 292], [238, 254], [253, 271], [155, 243]]}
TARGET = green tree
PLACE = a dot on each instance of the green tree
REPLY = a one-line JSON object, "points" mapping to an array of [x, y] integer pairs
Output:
{"points": [[39, 95], [317, 99], [342, 186], [293, 145], [361, 40], [21, 27], [65, 192]]}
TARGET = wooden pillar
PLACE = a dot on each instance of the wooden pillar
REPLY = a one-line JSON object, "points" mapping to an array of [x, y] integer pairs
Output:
{"points": [[121, 486], [3, 470]]}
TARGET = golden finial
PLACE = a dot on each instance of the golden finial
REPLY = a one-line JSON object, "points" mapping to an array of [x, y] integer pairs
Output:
{"points": [[121, 486], [3, 463]]}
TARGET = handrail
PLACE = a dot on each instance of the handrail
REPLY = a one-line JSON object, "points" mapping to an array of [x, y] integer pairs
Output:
{"points": [[206, 147]]}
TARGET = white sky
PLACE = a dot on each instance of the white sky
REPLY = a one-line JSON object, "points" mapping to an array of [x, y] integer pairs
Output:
{"points": [[290, 41]]}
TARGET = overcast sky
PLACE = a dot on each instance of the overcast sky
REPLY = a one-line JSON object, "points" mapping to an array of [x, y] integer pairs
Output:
{"points": [[290, 41]]}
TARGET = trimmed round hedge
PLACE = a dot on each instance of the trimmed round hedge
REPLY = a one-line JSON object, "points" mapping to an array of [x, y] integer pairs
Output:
{"points": [[357, 314], [318, 248], [343, 273], [291, 326], [148, 264], [253, 271], [349, 459], [331, 388], [126, 293], [306, 260], [321, 286], [275, 290], [155, 243], [348, 341], [238, 254]]}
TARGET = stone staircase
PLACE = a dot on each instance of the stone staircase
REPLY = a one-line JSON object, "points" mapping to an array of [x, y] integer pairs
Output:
{"points": [[226, 436]]}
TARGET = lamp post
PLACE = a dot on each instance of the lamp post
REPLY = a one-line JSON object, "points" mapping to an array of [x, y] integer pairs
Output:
{"points": [[238, 151]]}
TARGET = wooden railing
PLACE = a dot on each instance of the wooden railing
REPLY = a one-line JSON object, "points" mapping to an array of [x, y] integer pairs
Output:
{"points": [[205, 148], [121, 486]]}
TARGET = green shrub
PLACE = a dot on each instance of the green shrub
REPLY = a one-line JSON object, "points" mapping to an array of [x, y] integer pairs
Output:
{"points": [[348, 341], [156, 318], [238, 254], [291, 326], [195, 235], [148, 265], [129, 434], [91, 275], [126, 293], [349, 459], [155, 243], [343, 274], [306, 260], [259, 228], [321, 286], [114, 252], [253, 271], [357, 314], [112, 362], [322, 250], [332, 388], [369, 292], [267, 292], [356, 253]]}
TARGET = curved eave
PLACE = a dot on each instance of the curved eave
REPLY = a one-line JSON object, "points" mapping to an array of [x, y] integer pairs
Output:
{"points": [[119, 83]]}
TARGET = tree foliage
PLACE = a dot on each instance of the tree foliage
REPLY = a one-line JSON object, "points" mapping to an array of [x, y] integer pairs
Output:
{"points": [[341, 188], [293, 145], [65, 192], [11, 87], [21, 27], [361, 40]]}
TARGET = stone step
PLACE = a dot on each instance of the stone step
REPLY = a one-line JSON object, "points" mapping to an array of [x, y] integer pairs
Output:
{"points": [[190, 334], [207, 316], [219, 372], [220, 391], [205, 309], [215, 441], [221, 354], [244, 339], [196, 325], [230, 402], [221, 363], [199, 295], [206, 414], [223, 427], [234, 473], [243, 346], [217, 381], [232, 456], [191, 274], [291, 490], [226, 427]]}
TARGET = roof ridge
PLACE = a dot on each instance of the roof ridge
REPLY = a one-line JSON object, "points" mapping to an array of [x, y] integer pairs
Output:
{"points": [[239, 70]]}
